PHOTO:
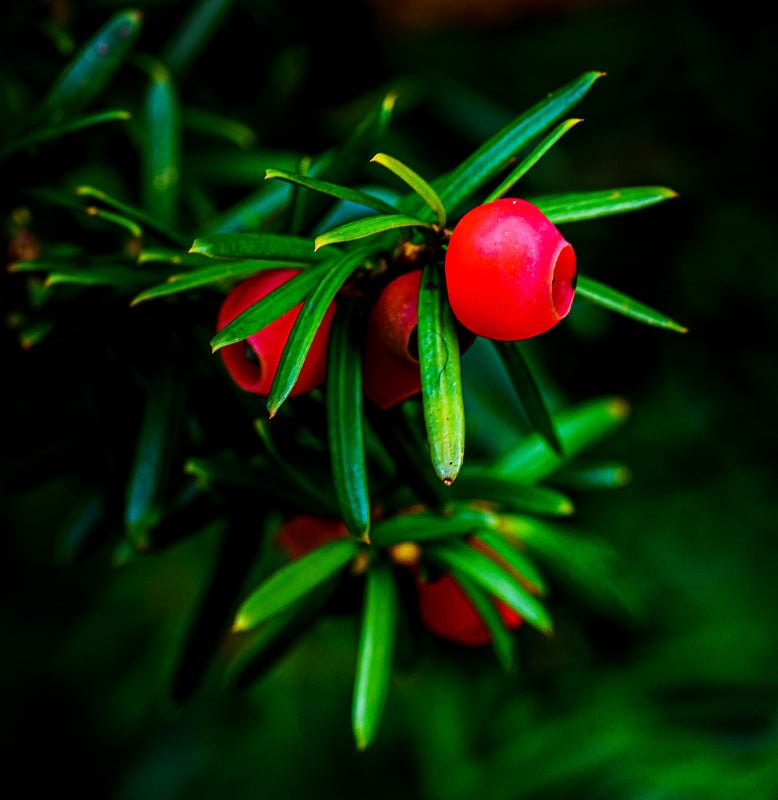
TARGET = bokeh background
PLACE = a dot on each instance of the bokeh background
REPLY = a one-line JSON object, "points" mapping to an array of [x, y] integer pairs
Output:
{"points": [[680, 701]]}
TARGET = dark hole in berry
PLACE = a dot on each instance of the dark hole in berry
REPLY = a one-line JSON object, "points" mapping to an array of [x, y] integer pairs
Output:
{"points": [[250, 355], [413, 344]]}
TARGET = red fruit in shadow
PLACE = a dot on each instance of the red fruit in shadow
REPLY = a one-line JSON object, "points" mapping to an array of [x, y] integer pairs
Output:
{"points": [[303, 533], [252, 363], [391, 355], [510, 274], [447, 611]]}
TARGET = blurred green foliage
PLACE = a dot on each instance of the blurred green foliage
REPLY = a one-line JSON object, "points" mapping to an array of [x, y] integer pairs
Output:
{"points": [[680, 702]]}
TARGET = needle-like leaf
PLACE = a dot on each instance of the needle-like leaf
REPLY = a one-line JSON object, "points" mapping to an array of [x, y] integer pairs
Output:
{"points": [[345, 418], [613, 300], [293, 582], [441, 379], [374, 657]]}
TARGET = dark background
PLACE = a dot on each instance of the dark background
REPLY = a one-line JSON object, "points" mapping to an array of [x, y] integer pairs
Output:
{"points": [[680, 704]]}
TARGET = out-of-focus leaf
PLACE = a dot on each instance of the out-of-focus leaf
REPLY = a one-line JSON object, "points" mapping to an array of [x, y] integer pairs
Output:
{"points": [[369, 226], [405, 443], [590, 565], [307, 324], [340, 165], [345, 417], [93, 67], [270, 307], [293, 581], [54, 131], [527, 391], [155, 447], [267, 643], [161, 152], [529, 161], [144, 219], [496, 153], [257, 245], [594, 475], [241, 168], [333, 190], [490, 576], [116, 220], [216, 608], [198, 26], [577, 427], [613, 300], [483, 483], [441, 379], [197, 278], [274, 481], [173, 257], [601, 203], [217, 125], [374, 656], [80, 526], [254, 212], [416, 182], [117, 276]]}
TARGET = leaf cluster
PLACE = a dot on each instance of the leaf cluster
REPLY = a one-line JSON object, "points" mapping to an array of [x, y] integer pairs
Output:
{"points": [[395, 478]]}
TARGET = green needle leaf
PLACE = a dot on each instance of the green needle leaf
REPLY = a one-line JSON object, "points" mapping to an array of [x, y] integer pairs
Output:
{"points": [[161, 158], [341, 192], [113, 275], [603, 295], [490, 576], [345, 418], [269, 642], [93, 67], [602, 203], [257, 245], [270, 307], [118, 220], [369, 226], [527, 163], [482, 483], [305, 327], [441, 379], [198, 26], [374, 656], [496, 153], [197, 278], [577, 428], [527, 390], [293, 582], [589, 565], [60, 129], [144, 219], [153, 455], [416, 182]]}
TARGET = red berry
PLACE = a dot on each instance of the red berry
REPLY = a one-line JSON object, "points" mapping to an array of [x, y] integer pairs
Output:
{"points": [[448, 612], [391, 371], [510, 274], [303, 533], [391, 358], [253, 363]]}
